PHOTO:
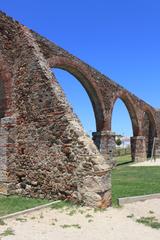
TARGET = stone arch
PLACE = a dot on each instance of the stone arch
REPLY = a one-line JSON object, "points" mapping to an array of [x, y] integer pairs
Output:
{"points": [[77, 98], [149, 130], [80, 72], [126, 99]]}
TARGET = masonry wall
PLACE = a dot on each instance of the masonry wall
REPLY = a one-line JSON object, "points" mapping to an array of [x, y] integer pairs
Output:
{"points": [[44, 151], [52, 156], [103, 93], [105, 90]]}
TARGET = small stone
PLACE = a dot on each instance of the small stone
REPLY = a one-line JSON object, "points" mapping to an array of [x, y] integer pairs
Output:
{"points": [[34, 183], [21, 174], [28, 187]]}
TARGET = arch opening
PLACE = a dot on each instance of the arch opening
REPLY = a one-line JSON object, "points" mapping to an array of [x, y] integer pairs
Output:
{"points": [[125, 125], [149, 132], [78, 99], [84, 77]]}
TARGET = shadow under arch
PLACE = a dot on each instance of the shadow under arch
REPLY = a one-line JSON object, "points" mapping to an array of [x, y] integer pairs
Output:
{"points": [[131, 110], [81, 74]]}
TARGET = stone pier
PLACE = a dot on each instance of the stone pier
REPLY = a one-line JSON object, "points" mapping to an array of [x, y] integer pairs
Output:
{"points": [[138, 149]]}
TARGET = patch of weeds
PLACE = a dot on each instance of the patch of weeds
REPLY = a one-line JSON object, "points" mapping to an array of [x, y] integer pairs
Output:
{"points": [[117, 206], [89, 216], [7, 232], [99, 210], [41, 215], [149, 221], [72, 212], [81, 211], [33, 217], [90, 220], [2, 223], [151, 212], [21, 219], [71, 225], [130, 216], [54, 221], [88, 209]]}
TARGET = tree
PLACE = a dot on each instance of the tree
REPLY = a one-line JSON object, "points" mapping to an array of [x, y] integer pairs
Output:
{"points": [[118, 142]]}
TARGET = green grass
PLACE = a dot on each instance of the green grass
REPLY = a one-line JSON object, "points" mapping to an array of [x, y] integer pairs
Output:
{"points": [[123, 159], [133, 181], [13, 204]]}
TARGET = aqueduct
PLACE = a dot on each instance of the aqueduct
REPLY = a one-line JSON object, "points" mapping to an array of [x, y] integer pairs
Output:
{"points": [[44, 151]]}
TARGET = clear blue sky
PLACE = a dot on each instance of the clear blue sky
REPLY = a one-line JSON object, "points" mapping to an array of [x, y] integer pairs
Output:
{"points": [[119, 38]]}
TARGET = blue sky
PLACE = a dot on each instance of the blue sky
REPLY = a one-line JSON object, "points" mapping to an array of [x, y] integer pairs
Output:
{"points": [[119, 38]]}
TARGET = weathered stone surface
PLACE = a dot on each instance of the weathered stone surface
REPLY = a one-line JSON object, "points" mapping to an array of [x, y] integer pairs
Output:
{"points": [[96, 184], [92, 199], [95, 200], [3, 188], [106, 200], [138, 146], [44, 150]]}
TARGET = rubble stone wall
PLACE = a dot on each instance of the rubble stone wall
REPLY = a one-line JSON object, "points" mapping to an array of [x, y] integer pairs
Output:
{"points": [[52, 156], [44, 151], [103, 93]]}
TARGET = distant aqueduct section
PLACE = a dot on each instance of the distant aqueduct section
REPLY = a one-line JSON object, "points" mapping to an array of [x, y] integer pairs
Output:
{"points": [[44, 151]]}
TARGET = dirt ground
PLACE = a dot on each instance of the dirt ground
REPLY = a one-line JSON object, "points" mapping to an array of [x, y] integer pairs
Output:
{"points": [[85, 223], [147, 163]]}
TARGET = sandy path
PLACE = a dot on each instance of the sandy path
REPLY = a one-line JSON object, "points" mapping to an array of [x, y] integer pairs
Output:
{"points": [[147, 163], [112, 224]]}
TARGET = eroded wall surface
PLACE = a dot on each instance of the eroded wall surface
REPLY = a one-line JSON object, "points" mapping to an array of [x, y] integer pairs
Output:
{"points": [[44, 151]]}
